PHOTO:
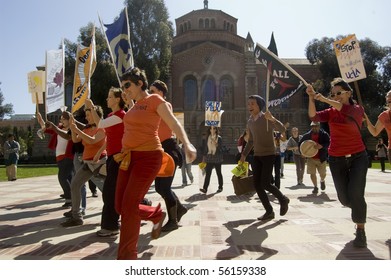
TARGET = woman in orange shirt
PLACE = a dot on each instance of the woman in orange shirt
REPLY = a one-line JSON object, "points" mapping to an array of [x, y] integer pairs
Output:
{"points": [[174, 207], [142, 156]]}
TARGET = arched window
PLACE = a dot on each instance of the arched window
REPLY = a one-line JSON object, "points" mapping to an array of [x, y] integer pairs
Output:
{"points": [[189, 25], [207, 23], [190, 94], [181, 29], [185, 26], [213, 23], [226, 92], [208, 91], [201, 23]]}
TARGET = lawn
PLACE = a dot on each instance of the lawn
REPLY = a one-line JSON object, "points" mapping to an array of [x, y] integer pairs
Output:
{"points": [[26, 171]]}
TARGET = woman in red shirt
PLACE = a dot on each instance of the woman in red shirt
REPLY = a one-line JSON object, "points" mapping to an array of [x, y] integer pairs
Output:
{"points": [[348, 159]]}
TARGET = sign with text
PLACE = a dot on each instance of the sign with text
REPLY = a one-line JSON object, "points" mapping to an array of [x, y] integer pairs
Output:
{"points": [[213, 113], [349, 59]]}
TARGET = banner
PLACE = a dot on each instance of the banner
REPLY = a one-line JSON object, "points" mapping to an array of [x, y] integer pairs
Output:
{"points": [[118, 40], [349, 59], [55, 97], [284, 81], [84, 68], [213, 113]]}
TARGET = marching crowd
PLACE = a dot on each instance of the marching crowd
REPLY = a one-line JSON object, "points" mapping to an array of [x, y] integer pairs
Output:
{"points": [[134, 147]]}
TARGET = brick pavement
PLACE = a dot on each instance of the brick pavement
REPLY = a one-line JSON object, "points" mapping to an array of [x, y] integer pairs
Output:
{"points": [[217, 226]]}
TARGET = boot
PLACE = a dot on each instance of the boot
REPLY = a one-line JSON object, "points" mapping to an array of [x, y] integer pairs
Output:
{"points": [[172, 223], [181, 210]]}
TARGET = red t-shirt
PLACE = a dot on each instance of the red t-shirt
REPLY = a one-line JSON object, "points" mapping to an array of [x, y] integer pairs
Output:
{"points": [[345, 137], [114, 134]]}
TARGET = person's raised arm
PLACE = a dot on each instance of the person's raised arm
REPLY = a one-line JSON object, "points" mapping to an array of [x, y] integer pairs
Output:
{"points": [[374, 129]]}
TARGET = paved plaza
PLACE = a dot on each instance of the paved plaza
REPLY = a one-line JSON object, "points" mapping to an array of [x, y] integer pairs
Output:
{"points": [[218, 226]]}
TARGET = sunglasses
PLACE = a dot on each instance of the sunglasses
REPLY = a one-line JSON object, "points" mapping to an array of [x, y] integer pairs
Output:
{"points": [[126, 85], [338, 93]]}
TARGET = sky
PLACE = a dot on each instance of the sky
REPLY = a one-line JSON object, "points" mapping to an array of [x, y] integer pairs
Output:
{"points": [[29, 28]]}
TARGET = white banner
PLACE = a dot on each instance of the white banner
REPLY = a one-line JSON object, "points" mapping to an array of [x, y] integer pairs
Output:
{"points": [[54, 80], [349, 59]]}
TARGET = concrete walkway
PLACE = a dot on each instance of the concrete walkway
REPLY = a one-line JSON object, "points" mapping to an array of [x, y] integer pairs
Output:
{"points": [[217, 226]]}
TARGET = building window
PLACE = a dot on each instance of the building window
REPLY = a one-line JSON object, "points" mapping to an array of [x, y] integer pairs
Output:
{"points": [[207, 23], [208, 91], [190, 96], [185, 26], [189, 25], [226, 92], [213, 23], [201, 23]]}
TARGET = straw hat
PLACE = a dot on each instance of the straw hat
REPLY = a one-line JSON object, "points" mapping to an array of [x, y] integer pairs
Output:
{"points": [[308, 148]]}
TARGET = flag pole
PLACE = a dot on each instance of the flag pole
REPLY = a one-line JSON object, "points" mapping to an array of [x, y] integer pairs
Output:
{"points": [[267, 95], [284, 63]]}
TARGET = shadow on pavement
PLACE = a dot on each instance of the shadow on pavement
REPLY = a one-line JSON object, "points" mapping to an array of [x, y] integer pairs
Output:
{"points": [[349, 252]]}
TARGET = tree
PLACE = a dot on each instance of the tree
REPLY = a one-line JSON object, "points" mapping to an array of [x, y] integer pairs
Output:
{"points": [[151, 37], [6, 109], [377, 63]]}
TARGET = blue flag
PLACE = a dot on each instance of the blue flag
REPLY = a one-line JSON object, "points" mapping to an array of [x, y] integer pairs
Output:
{"points": [[118, 39]]}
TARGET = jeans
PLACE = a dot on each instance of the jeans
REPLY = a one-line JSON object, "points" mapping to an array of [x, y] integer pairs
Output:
{"points": [[65, 174], [349, 176], [208, 169], [186, 169], [77, 163], [262, 175], [109, 219], [300, 167]]}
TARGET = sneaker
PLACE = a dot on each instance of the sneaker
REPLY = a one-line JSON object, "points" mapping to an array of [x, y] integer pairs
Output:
{"points": [[107, 232], [72, 222], [146, 201], [181, 210], [315, 190], [284, 206], [68, 214], [157, 228], [322, 186], [361, 240], [67, 204], [203, 190], [267, 216]]}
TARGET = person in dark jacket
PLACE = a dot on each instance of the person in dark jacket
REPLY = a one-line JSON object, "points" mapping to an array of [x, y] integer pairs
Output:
{"points": [[319, 161]]}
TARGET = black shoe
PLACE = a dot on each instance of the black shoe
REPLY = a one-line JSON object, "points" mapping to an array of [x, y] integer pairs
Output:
{"points": [[315, 190], [203, 190], [62, 195], [68, 214], [72, 222], [95, 194], [182, 210], [361, 239], [170, 226], [146, 201], [219, 190], [67, 204], [322, 186], [267, 216], [284, 206]]}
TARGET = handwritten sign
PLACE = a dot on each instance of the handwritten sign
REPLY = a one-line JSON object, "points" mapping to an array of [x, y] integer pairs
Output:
{"points": [[349, 59], [213, 113]]}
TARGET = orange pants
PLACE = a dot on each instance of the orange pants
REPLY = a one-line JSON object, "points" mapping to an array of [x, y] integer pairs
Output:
{"points": [[132, 186]]}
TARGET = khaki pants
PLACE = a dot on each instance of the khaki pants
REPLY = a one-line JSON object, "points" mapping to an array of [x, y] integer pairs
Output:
{"points": [[11, 171]]}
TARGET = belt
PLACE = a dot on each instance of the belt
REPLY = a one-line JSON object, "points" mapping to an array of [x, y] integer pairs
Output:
{"points": [[352, 155]]}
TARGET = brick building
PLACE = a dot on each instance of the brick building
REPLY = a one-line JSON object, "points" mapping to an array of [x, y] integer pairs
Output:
{"points": [[211, 62]]}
